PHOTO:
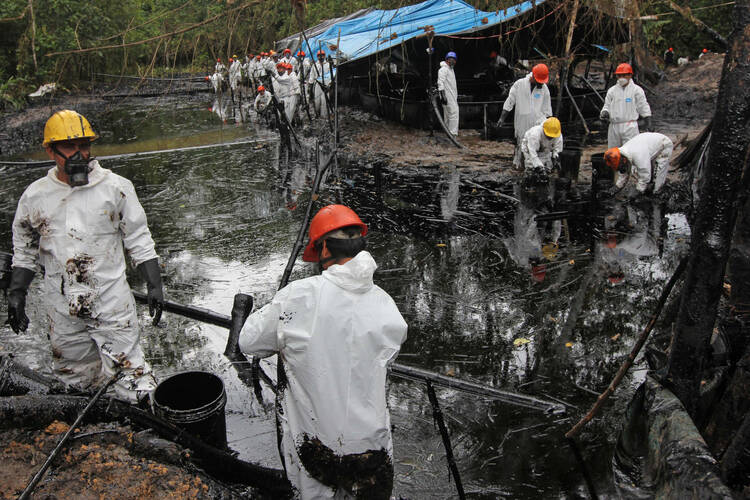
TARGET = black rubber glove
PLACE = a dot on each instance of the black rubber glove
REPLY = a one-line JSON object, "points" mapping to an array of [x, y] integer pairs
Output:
{"points": [[150, 272], [604, 115], [19, 285], [503, 116], [555, 163], [443, 100], [647, 124]]}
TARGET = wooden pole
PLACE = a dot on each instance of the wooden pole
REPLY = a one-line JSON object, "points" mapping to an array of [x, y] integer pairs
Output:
{"points": [[566, 62]]}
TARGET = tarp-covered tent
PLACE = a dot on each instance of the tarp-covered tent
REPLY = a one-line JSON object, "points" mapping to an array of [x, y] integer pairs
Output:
{"points": [[368, 32]]}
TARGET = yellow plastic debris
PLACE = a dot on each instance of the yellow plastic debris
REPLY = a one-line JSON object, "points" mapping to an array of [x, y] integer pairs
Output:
{"points": [[520, 341]]}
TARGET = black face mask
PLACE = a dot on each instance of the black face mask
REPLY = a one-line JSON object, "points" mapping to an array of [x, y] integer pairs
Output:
{"points": [[77, 168]]}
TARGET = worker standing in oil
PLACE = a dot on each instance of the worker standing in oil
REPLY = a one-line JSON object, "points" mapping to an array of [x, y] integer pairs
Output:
{"points": [[75, 223], [624, 104], [448, 91], [336, 334], [530, 100]]}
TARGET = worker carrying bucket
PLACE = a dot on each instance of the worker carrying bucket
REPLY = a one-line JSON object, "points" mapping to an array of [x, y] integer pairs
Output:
{"points": [[336, 334], [75, 223], [624, 104], [530, 101]]}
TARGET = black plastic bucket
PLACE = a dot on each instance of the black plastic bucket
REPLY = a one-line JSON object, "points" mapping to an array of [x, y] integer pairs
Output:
{"points": [[600, 169], [570, 163], [6, 259], [194, 401]]}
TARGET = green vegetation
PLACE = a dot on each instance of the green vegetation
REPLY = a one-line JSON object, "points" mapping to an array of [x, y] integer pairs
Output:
{"points": [[38, 40]]}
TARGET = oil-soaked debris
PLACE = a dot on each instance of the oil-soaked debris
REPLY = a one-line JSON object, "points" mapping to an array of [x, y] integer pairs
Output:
{"points": [[367, 475]]}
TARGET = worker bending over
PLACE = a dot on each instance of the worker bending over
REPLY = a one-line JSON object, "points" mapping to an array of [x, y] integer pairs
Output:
{"points": [[446, 85], [336, 334], [541, 147], [75, 223], [645, 158], [530, 99], [624, 104]]}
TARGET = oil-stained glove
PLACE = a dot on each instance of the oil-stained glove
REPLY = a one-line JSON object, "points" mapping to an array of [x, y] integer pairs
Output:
{"points": [[150, 272], [19, 285], [443, 100], [556, 163], [503, 115], [604, 115]]}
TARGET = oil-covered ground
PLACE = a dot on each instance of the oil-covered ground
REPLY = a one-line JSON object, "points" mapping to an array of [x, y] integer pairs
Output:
{"points": [[490, 294]]}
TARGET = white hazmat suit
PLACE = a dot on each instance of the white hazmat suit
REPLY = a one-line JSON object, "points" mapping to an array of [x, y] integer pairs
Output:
{"points": [[77, 234], [538, 149], [446, 82], [649, 155], [532, 106], [315, 77], [624, 105], [336, 334]]}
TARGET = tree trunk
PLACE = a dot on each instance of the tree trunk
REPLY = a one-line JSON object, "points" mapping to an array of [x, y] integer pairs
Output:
{"points": [[687, 14], [712, 231]]}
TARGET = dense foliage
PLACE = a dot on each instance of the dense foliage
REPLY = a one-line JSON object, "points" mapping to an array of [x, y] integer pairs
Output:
{"points": [[207, 29]]}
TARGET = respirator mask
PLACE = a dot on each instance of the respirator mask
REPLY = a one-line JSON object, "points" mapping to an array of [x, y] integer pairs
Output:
{"points": [[622, 81], [77, 168]]}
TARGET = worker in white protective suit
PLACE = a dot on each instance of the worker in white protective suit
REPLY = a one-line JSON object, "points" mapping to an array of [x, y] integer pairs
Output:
{"points": [[319, 78], [624, 104], [336, 334], [645, 158], [283, 89], [541, 147], [235, 73], [75, 223], [531, 104], [448, 90], [219, 68]]}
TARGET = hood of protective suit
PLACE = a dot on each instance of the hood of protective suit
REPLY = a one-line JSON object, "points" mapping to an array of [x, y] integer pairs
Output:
{"points": [[444, 64], [355, 275]]}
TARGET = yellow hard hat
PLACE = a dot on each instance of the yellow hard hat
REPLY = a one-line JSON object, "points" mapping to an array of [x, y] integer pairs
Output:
{"points": [[550, 251], [551, 127], [65, 125]]}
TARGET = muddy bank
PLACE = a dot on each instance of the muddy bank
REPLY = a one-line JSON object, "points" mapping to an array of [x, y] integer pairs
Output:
{"points": [[689, 92], [103, 461]]}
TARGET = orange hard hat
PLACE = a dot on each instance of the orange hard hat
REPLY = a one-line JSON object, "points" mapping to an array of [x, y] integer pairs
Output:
{"points": [[301, 53], [705, 50], [261, 88], [671, 49], [321, 52], [540, 73], [231, 60], [257, 58], [493, 54], [612, 158], [208, 78], [624, 69], [330, 218]]}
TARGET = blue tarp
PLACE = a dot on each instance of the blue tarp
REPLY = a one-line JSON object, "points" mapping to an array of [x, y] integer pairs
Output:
{"points": [[380, 29]]}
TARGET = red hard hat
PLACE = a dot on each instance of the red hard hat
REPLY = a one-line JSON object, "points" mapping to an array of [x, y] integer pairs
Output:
{"points": [[624, 69], [538, 272], [330, 218], [301, 53], [540, 73], [612, 158], [231, 60], [616, 278], [670, 49], [208, 78], [218, 60], [287, 51], [493, 54], [257, 58], [261, 88], [705, 50]]}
